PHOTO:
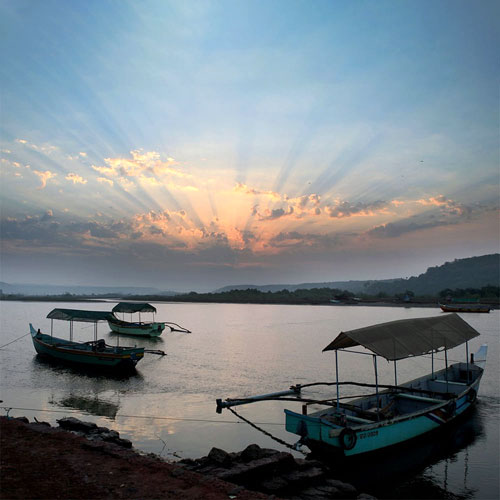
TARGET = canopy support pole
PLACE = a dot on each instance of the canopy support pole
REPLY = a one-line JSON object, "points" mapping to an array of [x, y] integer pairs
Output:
{"points": [[95, 331], [376, 384], [337, 376], [71, 331], [395, 374], [467, 359], [51, 327], [446, 365]]}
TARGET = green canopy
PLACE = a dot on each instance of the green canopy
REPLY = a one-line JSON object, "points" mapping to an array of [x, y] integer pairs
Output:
{"points": [[79, 315], [133, 307], [408, 337]]}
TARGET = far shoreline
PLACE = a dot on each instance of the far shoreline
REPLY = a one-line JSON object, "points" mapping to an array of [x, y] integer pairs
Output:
{"points": [[171, 300]]}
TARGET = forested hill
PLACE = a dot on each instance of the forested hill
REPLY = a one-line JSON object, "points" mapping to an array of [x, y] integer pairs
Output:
{"points": [[473, 272]]}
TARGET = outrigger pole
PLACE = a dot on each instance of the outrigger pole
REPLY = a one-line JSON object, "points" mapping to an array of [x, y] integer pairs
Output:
{"points": [[295, 389]]}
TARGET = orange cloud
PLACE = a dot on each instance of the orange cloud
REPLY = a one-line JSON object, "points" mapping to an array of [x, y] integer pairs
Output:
{"points": [[44, 177], [75, 178]]}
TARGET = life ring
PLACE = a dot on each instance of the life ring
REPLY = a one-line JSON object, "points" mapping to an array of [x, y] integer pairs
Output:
{"points": [[450, 408], [471, 396], [348, 438]]}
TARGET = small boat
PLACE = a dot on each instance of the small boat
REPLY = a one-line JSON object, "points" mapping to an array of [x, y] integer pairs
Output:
{"points": [[394, 414], [465, 308], [139, 328], [95, 353]]}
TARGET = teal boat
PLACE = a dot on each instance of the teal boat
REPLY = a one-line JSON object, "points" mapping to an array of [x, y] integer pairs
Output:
{"points": [[95, 353], [139, 328], [393, 414]]}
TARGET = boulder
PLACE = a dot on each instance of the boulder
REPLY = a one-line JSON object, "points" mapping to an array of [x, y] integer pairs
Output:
{"points": [[219, 457], [73, 424]]}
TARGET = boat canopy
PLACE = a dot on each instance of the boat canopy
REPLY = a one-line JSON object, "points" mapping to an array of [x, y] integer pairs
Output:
{"points": [[79, 315], [133, 307], [408, 337]]}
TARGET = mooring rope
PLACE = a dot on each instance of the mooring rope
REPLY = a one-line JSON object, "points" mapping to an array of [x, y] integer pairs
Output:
{"points": [[15, 340], [277, 439], [153, 417]]}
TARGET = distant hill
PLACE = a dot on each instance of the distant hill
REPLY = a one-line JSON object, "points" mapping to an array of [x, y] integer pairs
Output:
{"points": [[354, 286], [472, 272], [32, 289]]}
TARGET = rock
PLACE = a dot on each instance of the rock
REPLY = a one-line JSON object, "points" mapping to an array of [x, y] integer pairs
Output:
{"points": [[303, 463], [111, 436], [73, 424], [22, 419], [304, 477], [254, 452], [219, 457], [235, 491], [45, 424], [273, 485], [123, 442], [251, 471], [188, 462], [365, 496], [317, 494], [347, 490]]}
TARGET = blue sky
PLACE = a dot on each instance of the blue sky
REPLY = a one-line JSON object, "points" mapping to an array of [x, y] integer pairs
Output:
{"points": [[190, 145]]}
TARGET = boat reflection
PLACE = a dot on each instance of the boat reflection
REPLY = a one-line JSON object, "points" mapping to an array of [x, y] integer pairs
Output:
{"points": [[92, 405], [60, 367], [419, 469], [118, 338]]}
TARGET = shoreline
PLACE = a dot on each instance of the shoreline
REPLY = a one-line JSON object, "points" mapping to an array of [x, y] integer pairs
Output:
{"points": [[41, 461], [165, 300], [80, 460]]}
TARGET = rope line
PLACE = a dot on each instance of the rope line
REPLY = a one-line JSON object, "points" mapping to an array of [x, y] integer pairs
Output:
{"points": [[15, 340], [277, 439], [143, 416]]}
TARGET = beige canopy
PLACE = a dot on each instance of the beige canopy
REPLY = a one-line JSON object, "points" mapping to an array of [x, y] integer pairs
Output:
{"points": [[408, 337]]}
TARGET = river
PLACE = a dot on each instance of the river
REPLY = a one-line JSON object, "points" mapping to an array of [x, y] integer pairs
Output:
{"points": [[168, 406]]}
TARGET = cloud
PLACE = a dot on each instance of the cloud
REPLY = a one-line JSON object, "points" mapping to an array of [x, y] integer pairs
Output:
{"points": [[75, 178], [141, 164], [347, 209], [104, 180], [110, 171], [276, 213], [243, 188], [44, 177], [395, 229]]}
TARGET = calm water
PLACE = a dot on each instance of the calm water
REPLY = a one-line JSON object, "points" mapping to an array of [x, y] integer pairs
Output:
{"points": [[168, 407]]}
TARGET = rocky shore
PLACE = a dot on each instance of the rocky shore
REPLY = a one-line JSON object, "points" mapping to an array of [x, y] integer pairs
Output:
{"points": [[80, 460]]}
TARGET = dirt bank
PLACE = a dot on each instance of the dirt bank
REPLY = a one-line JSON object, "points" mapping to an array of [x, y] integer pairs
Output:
{"points": [[43, 462]]}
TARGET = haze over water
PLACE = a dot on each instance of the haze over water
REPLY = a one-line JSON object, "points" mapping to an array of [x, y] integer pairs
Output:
{"points": [[168, 407]]}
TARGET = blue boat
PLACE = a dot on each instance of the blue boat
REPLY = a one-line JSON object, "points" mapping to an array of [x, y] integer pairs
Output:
{"points": [[95, 353], [394, 414]]}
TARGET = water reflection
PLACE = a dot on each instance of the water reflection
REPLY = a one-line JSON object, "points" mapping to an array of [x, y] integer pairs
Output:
{"points": [[409, 472], [119, 339], [92, 405], [60, 367]]}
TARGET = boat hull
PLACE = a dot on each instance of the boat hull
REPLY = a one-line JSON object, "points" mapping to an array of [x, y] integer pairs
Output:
{"points": [[359, 440], [465, 308], [137, 329], [119, 358]]}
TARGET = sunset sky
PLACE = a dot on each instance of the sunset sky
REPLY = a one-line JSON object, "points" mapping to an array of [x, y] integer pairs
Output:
{"points": [[189, 144]]}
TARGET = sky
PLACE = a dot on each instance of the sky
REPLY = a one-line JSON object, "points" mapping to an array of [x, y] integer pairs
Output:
{"points": [[188, 145]]}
